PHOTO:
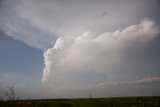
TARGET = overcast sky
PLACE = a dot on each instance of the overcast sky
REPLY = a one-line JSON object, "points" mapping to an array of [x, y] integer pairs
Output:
{"points": [[71, 48]]}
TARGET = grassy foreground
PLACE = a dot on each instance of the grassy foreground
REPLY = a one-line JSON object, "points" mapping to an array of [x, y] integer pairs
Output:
{"points": [[88, 102]]}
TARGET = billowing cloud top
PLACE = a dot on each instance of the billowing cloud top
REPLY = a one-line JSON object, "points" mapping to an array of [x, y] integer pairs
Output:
{"points": [[127, 55]]}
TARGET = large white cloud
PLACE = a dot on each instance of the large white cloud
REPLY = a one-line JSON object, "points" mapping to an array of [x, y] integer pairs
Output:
{"points": [[86, 61], [39, 23]]}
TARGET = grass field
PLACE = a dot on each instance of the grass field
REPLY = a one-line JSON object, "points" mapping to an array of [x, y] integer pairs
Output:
{"points": [[88, 102]]}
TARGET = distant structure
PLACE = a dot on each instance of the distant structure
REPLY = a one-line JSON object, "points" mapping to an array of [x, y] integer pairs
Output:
{"points": [[90, 95]]}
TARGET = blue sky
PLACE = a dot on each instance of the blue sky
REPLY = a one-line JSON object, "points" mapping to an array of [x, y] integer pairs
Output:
{"points": [[20, 64], [56, 49], [13, 50]]}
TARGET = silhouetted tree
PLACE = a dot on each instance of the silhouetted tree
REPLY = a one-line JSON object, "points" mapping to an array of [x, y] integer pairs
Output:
{"points": [[10, 93]]}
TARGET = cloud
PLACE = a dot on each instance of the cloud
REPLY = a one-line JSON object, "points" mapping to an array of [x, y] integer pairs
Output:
{"points": [[140, 81], [39, 23], [86, 61], [145, 80], [13, 24], [98, 55]]}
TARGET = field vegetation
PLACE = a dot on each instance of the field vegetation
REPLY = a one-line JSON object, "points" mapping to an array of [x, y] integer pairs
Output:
{"points": [[87, 102]]}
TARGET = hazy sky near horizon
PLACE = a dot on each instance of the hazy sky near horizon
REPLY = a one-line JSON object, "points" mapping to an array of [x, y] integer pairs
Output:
{"points": [[71, 48]]}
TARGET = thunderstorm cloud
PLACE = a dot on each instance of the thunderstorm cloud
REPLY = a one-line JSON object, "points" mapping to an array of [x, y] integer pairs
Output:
{"points": [[130, 54]]}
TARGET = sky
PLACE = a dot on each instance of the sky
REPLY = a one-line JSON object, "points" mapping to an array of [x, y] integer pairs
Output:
{"points": [[74, 48]]}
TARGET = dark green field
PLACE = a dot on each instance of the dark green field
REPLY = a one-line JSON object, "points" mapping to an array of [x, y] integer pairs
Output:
{"points": [[90, 102]]}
